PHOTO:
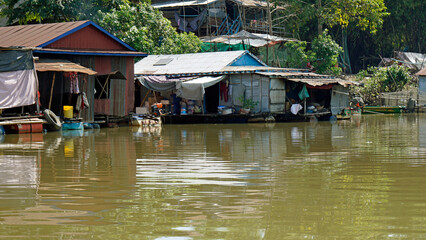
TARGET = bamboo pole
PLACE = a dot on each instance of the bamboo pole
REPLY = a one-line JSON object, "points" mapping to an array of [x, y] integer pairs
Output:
{"points": [[51, 89]]}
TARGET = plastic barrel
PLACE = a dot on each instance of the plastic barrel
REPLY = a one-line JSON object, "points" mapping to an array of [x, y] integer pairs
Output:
{"points": [[68, 111]]}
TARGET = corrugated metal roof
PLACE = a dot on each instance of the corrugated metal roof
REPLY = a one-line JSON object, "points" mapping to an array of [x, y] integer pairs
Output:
{"points": [[57, 65], [180, 3], [90, 52], [252, 39], [41, 35], [310, 78], [34, 35], [194, 63]]}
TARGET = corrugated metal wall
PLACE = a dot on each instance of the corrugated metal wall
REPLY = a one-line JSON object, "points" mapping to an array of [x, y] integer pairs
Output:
{"points": [[87, 38], [339, 99], [277, 95], [118, 88], [121, 97], [257, 89], [121, 91], [130, 89]]}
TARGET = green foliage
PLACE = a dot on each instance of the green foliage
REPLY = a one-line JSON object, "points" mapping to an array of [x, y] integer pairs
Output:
{"points": [[45, 11], [145, 29], [359, 19], [324, 54], [377, 80], [365, 14], [247, 103], [295, 54]]}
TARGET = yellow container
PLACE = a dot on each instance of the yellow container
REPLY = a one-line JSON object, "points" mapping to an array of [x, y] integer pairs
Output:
{"points": [[68, 112]]}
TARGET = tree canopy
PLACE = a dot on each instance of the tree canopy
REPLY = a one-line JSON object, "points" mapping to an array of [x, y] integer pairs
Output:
{"points": [[373, 28], [145, 28], [45, 11], [137, 24]]}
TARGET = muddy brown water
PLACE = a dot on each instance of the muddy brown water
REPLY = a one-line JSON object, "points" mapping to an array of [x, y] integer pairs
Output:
{"points": [[358, 179]]}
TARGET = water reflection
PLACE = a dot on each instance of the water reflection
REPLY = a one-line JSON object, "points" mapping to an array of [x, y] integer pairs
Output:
{"points": [[348, 179]]}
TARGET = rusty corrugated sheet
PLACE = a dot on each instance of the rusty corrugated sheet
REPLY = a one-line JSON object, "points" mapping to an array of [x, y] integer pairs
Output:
{"points": [[118, 88], [310, 78], [130, 93], [102, 106], [103, 65], [88, 38], [90, 52], [34, 35]]}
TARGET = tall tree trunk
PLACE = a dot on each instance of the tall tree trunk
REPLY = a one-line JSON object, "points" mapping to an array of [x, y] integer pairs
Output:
{"points": [[320, 21], [345, 58]]}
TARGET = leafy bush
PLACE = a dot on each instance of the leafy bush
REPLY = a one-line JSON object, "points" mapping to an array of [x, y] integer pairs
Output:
{"points": [[295, 55], [324, 54], [377, 80], [247, 103]]}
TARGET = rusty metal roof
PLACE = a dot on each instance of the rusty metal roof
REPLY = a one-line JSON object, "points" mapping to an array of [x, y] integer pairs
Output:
{"points": [[35, 35], [309, 78], [57, 65], [41, 35], [90, 52]]}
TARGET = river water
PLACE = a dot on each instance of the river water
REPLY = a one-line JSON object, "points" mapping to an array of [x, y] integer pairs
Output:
{"points": [[363, 178]]}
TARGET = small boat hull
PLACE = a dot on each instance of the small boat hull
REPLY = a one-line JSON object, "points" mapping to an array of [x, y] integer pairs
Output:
{"points": [[145, 121], [72, 126], [380, 109]]}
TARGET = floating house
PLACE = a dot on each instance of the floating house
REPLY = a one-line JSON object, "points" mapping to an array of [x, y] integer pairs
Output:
{"points": [[75, 58], [212, 85]]}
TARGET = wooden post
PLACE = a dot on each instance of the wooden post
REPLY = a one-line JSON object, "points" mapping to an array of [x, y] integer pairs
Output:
{"points": [[268, 9], [51, 89]]}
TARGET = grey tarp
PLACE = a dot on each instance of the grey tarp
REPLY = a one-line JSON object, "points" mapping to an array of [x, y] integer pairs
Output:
{"points": [[14, 60], [18, 82], [158, 83], [194, 89], [186, 87]]}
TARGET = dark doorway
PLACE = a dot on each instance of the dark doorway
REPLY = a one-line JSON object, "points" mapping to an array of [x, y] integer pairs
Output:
{"points": [[211, 98]]}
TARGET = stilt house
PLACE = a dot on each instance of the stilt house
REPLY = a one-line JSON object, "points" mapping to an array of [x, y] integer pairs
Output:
{"points": [[213, 81], [59, 45]]}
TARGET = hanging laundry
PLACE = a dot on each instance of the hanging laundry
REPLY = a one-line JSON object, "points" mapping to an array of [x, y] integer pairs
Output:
{"points": [[194, 24], [303, 93], [295, 108], [82, 102], [223, 91], [72, 82]]}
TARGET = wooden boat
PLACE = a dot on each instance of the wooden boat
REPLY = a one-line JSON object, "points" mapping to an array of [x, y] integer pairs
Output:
{"points": [[145, 120], [382, 109]]}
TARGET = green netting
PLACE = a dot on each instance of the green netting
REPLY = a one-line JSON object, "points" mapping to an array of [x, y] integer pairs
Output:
{"points": [[274, 56], [220, 47]]}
